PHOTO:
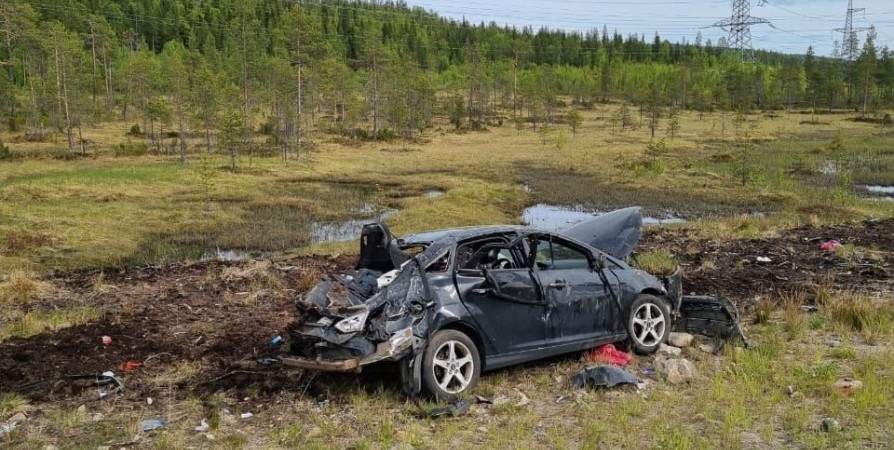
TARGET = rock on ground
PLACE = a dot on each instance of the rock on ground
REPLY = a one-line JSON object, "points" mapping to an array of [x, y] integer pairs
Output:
{"points": [[678, 371], [680, 339], [664, 349]]}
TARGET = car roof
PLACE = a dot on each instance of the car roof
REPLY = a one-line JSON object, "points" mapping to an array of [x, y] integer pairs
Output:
{"points": [[460, 233]]}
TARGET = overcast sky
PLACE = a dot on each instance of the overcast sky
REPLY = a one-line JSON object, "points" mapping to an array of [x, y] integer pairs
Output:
{"points": [[797, 24]]}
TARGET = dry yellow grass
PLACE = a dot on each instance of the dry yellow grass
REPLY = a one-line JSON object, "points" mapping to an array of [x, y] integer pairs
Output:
{"points": [[108, 210], [20, 286]]}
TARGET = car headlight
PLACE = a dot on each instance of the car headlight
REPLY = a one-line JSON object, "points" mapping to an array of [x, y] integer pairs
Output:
{"points": [[352, 324]]}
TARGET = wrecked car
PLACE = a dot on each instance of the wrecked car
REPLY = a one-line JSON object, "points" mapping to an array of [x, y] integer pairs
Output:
{"points": [[447, 305]]}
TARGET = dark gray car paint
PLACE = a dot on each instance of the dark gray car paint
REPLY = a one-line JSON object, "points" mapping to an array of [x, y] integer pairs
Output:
{"points": [[512, 314]]}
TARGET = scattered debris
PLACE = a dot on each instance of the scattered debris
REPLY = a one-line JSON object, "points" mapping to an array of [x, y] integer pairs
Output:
{"points": [[455, 408], [603, 376], [763, 260], [668, 350], [791, 391], [608, 354], [829, 424], [523, 399], [678, 371], [152, 424], [130, 366], [276, 341], [848, 386], [106, 340], [829, 246], [203, 427], [149, 401], [246, 415], [711, 316], [680, 339]]}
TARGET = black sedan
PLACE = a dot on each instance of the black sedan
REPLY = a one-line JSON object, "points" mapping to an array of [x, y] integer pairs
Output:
{"points": [[450, 304]]}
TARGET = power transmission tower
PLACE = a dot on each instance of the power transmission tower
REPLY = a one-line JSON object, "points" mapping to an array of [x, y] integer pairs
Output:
{"points": [[739, 28], [850, 42]]}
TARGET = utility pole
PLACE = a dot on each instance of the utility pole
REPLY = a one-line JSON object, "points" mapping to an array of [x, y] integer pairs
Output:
{"points": [[739, 28], [849, 46], [850, 42]]}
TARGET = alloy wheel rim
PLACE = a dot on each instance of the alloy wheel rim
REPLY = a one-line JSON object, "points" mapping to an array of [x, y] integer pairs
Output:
{"points": [[648, 324], [452, 367]]}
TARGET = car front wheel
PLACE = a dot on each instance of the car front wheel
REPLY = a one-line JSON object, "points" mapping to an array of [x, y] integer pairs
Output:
{"points": [[649, 323], [451, 365]]}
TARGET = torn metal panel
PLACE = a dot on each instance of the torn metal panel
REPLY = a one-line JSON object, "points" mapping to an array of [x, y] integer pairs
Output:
{"points": [[710, 316], [616, 233]]}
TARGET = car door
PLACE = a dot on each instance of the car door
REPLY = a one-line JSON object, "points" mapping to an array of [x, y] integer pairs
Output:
{"points": [[578, 305], [505, 300]]}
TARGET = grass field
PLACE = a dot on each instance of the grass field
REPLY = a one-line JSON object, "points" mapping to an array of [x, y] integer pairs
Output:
{"points": [[729, 177], [108, 210]]}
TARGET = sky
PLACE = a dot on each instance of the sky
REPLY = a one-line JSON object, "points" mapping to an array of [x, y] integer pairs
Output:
{"points": [[796, 24]]}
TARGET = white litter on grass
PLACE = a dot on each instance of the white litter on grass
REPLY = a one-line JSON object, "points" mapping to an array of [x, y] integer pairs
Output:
{"points": [[203, 427], [247, 415]]}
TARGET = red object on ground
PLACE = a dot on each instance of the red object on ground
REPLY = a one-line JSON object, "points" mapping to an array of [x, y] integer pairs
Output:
{"points": [[608, 354], [828, 246], [130, 366]]}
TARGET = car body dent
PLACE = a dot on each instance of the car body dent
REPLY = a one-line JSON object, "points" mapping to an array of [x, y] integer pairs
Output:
{"points": [[551, 311]]}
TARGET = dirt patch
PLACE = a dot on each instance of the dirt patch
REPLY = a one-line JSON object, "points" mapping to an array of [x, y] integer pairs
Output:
{"points": [[796, 263], [211, 322]]}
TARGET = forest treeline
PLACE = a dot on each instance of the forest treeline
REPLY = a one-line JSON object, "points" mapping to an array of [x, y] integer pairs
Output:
{"points": [[223, 68]]}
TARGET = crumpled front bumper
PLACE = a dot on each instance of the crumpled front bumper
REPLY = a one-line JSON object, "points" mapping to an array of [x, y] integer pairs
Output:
{"points": [[350, 356]]}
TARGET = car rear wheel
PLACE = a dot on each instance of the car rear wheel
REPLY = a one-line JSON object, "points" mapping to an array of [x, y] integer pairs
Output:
{"points": [[649, 323], [451, 365]]}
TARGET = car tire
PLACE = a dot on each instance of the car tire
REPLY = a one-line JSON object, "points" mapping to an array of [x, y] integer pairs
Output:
{"points": [[649, 324], [451, 365]]}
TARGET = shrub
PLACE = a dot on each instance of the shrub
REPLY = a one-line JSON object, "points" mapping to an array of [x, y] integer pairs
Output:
{"points": [[131, 149], [135, 130], [4, 151]]}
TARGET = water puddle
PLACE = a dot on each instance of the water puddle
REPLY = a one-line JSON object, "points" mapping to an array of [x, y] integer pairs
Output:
{"points": [[556, 217], [347, 230], [877, 191]]}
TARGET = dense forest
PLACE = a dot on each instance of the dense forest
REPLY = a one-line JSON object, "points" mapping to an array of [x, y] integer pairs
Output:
{"points": [[222, 68]]}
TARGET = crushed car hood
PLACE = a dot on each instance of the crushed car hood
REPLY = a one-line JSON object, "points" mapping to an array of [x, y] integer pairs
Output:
{"points": [[616, 233]]}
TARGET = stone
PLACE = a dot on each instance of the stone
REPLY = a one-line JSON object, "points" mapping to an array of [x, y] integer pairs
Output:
{"points": [[707, 348], [665, 349], [678, 371], [847, 386], [680, 339], [17, 418], [829, 424], [833, 343]]}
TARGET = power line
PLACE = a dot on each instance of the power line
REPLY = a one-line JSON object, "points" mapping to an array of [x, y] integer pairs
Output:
{"points": [[739, 25], [849, 41]]}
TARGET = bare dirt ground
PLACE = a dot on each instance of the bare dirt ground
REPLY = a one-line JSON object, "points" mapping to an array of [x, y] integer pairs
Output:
{"points": [[200, 329]]}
